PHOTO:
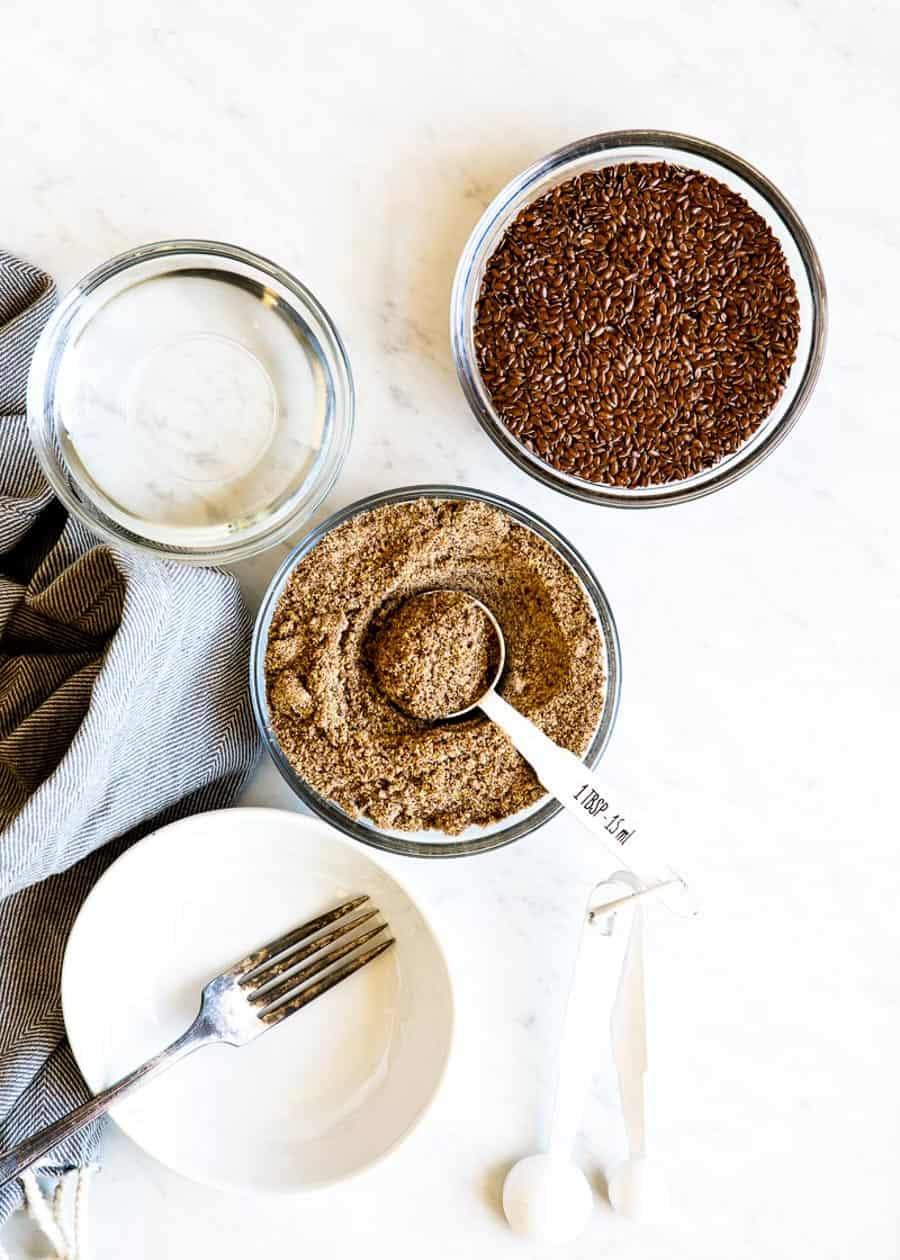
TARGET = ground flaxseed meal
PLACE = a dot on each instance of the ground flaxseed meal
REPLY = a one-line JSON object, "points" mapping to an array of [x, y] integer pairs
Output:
{"points": [[636, 324], [436, 654], [350, 742]]}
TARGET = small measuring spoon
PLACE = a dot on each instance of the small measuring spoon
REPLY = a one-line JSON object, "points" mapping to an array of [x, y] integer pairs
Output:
{"points": [[547, 1197], [580, 792], [635, 1188]]}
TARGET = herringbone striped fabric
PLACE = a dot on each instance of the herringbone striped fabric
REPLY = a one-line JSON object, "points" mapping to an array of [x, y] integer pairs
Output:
{"points": [[123, 705]]}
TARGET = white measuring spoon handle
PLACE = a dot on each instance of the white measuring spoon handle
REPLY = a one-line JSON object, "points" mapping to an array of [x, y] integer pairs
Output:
{"points": [[629, 1039], [595, 982], [596, 806]]}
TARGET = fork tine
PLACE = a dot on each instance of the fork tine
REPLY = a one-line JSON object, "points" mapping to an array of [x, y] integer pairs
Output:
{"points": [[312, 991], [271, 996], [261, 957], [257, 979]]}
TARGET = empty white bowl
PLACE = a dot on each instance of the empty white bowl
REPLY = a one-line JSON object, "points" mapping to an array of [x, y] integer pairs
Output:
{"points": [[317, 1099]]}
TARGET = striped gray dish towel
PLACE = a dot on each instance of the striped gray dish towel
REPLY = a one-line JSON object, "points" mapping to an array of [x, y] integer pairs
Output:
{"points": [[123, 705]]}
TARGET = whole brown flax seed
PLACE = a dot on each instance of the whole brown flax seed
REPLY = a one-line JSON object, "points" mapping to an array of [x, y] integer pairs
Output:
{"points": [[636, 324]]}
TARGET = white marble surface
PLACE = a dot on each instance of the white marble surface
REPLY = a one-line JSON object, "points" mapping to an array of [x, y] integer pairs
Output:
{"points": [[357, 144]]}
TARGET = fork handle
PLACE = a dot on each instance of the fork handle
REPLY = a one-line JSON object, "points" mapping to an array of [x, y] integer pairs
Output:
{"points": [[14, 1162]]}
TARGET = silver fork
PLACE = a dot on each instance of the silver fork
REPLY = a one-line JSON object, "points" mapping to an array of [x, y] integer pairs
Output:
{"points": [[254, 995]]}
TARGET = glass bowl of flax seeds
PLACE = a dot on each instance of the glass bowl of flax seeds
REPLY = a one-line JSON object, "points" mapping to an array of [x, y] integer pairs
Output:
{"points": [[638, 319], [313, 695]]}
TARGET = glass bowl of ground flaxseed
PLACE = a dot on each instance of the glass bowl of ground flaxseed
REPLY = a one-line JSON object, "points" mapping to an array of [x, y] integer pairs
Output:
{"points": [[335, 612], [638, 319]]}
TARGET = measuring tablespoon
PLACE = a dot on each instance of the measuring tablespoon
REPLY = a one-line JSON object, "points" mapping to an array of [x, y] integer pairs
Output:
{"points": [[596, 806]]}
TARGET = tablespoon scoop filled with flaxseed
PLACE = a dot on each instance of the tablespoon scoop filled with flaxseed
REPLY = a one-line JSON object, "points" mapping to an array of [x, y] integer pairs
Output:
{"points": [[441, 655]]}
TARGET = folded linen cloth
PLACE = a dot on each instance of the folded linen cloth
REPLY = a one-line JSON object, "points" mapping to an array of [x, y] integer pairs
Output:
{"points": [[123, 705]]}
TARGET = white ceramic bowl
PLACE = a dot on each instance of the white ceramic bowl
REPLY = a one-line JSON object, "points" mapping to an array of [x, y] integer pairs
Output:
{"points": [[313, 1101]]}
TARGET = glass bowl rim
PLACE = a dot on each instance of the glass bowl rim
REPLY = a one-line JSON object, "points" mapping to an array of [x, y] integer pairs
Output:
{"points": [[336, 366], [541, 813], [463, 300]]}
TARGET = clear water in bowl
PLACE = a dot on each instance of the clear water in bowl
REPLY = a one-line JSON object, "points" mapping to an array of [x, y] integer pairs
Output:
{"points": [[184, 408]]}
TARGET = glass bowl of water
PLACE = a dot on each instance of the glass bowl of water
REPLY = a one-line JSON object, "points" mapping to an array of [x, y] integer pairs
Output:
{"points": [[191, 400]]}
